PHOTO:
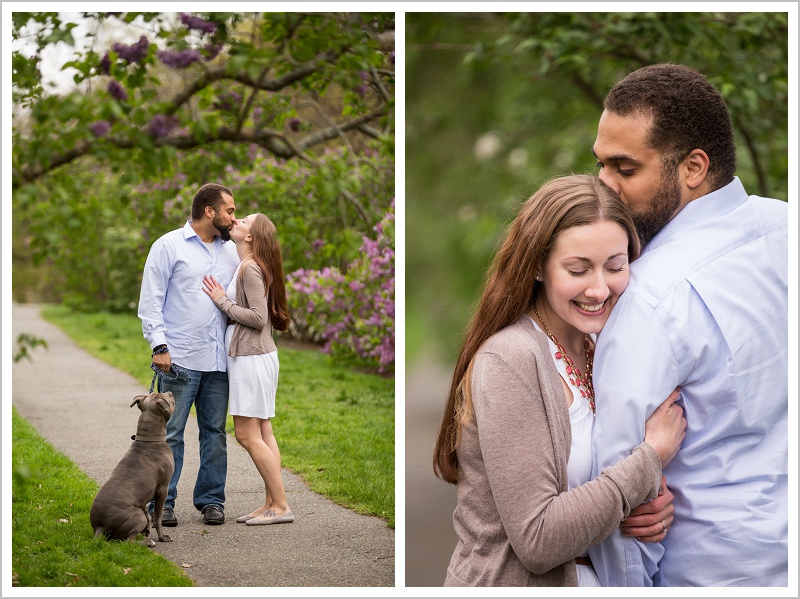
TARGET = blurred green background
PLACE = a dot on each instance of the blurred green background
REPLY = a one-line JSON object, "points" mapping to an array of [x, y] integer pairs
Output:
{"points": [[497, 103]]}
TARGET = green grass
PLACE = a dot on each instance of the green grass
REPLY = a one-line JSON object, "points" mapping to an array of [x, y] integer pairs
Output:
{"points": [[334, 425], [53, 543]]}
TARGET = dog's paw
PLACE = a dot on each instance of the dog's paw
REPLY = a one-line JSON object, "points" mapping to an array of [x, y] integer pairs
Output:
{"points": [[149, 542], [164, 539]]}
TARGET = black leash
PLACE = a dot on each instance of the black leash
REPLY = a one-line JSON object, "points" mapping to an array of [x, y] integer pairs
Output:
{"points": [[176, 373]]}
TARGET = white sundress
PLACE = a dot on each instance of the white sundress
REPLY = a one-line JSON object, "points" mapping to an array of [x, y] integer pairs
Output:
{"points": [[252, 380]]}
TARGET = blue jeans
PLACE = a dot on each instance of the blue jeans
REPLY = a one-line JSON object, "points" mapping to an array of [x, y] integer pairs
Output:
{"points": [[208, 391]]}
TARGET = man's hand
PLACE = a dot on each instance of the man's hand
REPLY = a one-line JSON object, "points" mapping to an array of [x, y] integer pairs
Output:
{"points": [[163, 361], [650, 521]]}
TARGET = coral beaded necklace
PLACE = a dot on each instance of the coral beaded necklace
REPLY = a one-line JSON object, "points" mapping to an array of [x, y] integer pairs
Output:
{"points": [[583, 382]]}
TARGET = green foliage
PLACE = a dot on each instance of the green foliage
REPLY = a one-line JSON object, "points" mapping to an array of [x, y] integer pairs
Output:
{"points": [[94, 231], [500, 102], [745, 56], [25, 343], [52, 541], [231, 77], [335, 425]]}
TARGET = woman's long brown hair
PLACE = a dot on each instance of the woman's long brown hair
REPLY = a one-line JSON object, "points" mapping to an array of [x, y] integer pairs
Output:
{"points": [[267, 254], [510, 285]]}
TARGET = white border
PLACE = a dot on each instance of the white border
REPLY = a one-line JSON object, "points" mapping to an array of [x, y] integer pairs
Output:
{"points": [[401, 8]]}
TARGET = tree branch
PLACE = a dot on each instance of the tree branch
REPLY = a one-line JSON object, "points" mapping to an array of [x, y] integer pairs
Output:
{"points": [[271, 140], [332, 132], [277, 84], [751, 148]]}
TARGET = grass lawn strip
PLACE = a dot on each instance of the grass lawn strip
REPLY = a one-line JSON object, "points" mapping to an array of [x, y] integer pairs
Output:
{"points": [[53, 543]]}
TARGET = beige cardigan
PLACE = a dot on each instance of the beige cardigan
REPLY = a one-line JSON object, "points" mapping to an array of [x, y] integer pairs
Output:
{"points": [[253, 332], [516, 522]]}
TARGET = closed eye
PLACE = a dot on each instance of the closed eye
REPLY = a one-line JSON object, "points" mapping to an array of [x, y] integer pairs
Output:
{"points": [[621, 171]]}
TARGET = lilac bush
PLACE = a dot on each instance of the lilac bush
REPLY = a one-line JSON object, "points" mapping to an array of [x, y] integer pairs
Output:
{"points": [[353, 311]]}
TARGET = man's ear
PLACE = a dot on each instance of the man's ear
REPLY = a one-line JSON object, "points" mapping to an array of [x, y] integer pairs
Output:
{"points": [[695, 168], [208, 211]]}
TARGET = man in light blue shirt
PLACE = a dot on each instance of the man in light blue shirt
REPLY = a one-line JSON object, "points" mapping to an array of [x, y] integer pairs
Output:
{"points": [[706, 310], [185, 328]]}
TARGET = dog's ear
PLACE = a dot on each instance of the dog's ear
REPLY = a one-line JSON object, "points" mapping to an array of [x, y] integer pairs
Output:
{"points": [[138, 399], [165, 405]]}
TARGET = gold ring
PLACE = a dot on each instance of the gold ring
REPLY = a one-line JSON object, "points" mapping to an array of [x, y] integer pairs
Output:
{"points": [[664, 527]]}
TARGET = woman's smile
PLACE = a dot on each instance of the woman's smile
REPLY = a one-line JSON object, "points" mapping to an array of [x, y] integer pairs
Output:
{"points": [[593, 309]]}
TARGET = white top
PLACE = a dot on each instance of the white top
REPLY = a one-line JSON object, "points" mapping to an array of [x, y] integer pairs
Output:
{"points": [[581, 420], [231, 290]]}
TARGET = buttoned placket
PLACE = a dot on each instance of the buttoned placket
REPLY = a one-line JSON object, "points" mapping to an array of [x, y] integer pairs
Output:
{"points": [[219, 344]]}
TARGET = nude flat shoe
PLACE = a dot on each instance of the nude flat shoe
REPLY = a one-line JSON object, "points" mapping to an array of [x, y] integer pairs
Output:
{"points": [[269, 517], [243, 519]]}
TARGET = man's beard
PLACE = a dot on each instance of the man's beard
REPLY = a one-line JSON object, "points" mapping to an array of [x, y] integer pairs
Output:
{"points": [[224, 232], [660, 208]]}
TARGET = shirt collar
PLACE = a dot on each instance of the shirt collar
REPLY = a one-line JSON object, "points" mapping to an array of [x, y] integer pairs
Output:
{"points": [[706, 208], [189, 232]]}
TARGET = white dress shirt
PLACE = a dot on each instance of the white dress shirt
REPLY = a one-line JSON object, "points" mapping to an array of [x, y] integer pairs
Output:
{"points": [[707, 310], [173, 307]]}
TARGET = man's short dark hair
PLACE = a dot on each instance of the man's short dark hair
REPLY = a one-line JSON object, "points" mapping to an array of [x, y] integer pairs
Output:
{"points": [[209, 194], [688, 113]]}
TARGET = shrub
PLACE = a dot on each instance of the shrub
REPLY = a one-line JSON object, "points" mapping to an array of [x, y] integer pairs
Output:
{"points": [[352, 312]]}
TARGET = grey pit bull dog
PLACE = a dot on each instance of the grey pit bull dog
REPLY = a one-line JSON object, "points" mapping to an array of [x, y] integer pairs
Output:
{"points": [[119, 510]]}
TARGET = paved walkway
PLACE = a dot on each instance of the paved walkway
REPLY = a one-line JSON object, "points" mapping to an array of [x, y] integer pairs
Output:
{"points": [[81, 406], [429, 535]]}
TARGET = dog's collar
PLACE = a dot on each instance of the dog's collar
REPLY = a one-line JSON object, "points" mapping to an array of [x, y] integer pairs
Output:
{"points": [[147, 439]]}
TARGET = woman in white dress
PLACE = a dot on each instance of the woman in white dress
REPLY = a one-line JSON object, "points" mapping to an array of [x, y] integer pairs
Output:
{"points": [[255, 303]]}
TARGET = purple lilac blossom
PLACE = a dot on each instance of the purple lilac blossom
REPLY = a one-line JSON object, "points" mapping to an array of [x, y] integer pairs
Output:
{"points": [[116, 90], [198, 24], [211, 51], [99, 128], [105, 65], [179, 59], [228, 102], [294, 124], [161, 125], [134, 52]]}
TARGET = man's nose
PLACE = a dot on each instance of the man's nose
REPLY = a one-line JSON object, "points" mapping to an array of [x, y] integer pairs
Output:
{"points": [[606, 178]]}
